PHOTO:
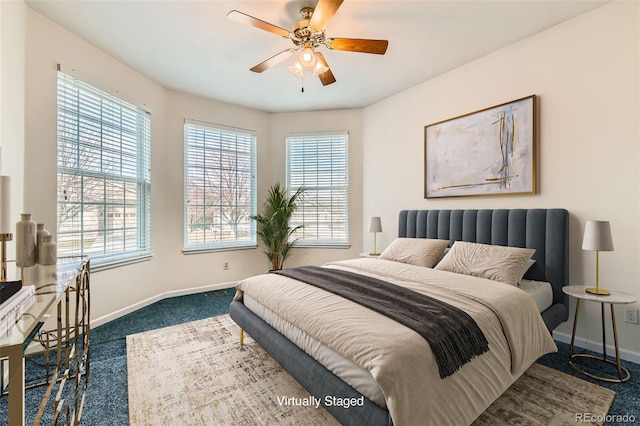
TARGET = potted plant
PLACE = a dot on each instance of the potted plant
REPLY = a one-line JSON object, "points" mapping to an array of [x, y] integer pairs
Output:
{"points": [[273, 224]]}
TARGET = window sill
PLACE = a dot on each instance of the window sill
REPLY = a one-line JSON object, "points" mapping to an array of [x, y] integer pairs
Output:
{"points": [[323, 245], [190, 251], [97, 265]]}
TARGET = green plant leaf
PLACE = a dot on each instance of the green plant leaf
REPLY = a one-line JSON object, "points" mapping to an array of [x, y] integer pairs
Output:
{"points": [[273, 224]]}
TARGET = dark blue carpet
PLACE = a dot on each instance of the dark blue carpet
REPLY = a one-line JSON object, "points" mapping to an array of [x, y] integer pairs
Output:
{"points": [[627, 399], [107, 399]]}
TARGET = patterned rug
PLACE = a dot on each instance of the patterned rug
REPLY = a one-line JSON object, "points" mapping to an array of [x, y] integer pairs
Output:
{"points": [[195, 374]]}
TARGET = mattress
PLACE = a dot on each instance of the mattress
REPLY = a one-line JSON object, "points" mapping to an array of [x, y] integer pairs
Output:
{"points": [[541, 292], [357, 377]]}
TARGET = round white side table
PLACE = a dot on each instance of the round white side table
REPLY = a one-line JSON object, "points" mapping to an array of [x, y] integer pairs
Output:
{"points": [[616, 297], [375, 256]]}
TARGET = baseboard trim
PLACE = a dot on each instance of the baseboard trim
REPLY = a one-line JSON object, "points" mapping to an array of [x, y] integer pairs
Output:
{"points": [[151, 300], [597, 347]]}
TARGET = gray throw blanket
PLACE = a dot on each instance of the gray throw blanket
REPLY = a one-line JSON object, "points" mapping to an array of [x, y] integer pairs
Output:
{"points": [[454, 337]]}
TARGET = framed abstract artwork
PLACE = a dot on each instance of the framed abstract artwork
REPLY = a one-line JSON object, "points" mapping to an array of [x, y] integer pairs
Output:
{"points": [[487, 152]]}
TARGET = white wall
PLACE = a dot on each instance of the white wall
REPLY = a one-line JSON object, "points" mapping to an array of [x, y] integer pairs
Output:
{"points": [[322, 121], [47, 46], [197, 270], [12, 99], [585, 73]]}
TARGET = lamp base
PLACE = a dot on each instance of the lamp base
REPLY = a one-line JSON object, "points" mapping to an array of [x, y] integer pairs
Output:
{"points": [[598, 291], [374, 253], [3, 255]]}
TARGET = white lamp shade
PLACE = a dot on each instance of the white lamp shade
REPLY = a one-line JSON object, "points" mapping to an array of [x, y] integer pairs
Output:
{"points": [[321, 65], [320, 68], [308, 58], [296, 68], [597, 236], [375, 225], [5, 205]]}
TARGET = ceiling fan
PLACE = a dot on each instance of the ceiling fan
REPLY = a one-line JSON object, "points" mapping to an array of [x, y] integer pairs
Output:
{"points": [[307, 34]]}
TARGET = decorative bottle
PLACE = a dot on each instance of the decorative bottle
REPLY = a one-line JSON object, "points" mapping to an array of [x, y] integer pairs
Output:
{"points": [[40, 232], [25, 241], [47, 251]]}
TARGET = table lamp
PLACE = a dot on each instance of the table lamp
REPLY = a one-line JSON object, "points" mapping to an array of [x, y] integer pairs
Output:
{"points": [[375, 226], [597, 237]]}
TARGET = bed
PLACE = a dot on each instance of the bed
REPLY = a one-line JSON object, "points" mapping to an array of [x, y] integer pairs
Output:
{"points": [[544, 230]]}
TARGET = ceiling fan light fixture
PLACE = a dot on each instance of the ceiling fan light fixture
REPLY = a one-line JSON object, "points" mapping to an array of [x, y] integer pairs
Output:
{"points": [[308, 58], [320, 68], [296, 67], [307, 34]]}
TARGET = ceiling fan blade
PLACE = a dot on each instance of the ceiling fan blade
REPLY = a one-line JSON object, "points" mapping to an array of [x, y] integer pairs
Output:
{"points": [[378, 47], [243, 18], [322, 14], [326, 78], [275, 59]]}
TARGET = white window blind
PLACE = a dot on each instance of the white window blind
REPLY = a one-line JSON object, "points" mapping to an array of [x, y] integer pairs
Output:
{"points": [[104, 177], [320, 163], [220, 187]]}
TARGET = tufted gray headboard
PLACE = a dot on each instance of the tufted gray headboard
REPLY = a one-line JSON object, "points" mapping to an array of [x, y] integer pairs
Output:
{"points": [[545, 230]]}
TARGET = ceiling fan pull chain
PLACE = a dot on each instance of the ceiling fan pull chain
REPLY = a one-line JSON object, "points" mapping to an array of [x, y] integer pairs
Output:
{"points": [[302, 79]]}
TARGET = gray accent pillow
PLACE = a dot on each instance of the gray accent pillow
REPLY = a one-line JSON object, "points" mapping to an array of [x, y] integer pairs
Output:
{"points": [[528, 266], [416, 251], [498, 263]]}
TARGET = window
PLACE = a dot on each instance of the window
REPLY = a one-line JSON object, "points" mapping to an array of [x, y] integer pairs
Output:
{"points": [[104, 178], [319, 162], [220, 187]]}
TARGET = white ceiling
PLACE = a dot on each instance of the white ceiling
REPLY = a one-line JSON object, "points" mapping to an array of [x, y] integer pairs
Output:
{"points": [[193, 47]]}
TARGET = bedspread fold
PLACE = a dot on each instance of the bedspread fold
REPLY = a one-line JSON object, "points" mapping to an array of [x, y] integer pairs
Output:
{"points": [[454, 337]]}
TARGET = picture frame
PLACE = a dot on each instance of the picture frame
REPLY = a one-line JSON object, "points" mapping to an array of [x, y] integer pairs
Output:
{"points": [[491, 151]]}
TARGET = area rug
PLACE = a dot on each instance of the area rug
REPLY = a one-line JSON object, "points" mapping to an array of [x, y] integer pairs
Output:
{"points": [[196, 374]]}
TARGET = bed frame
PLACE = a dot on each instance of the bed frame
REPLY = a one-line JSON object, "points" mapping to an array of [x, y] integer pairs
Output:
{"points": [[545, 230]]}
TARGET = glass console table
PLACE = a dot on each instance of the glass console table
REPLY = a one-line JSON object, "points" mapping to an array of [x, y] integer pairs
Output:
{"points": [[61, 290]]}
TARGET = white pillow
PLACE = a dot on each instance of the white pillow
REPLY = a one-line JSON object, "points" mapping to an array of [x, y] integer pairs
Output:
{"points": [[498, 263], [416, 251]]}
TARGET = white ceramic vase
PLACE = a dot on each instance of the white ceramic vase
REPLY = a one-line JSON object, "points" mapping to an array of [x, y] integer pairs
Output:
{"points": [[40, 232], [47, 251], [25, 241]]}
